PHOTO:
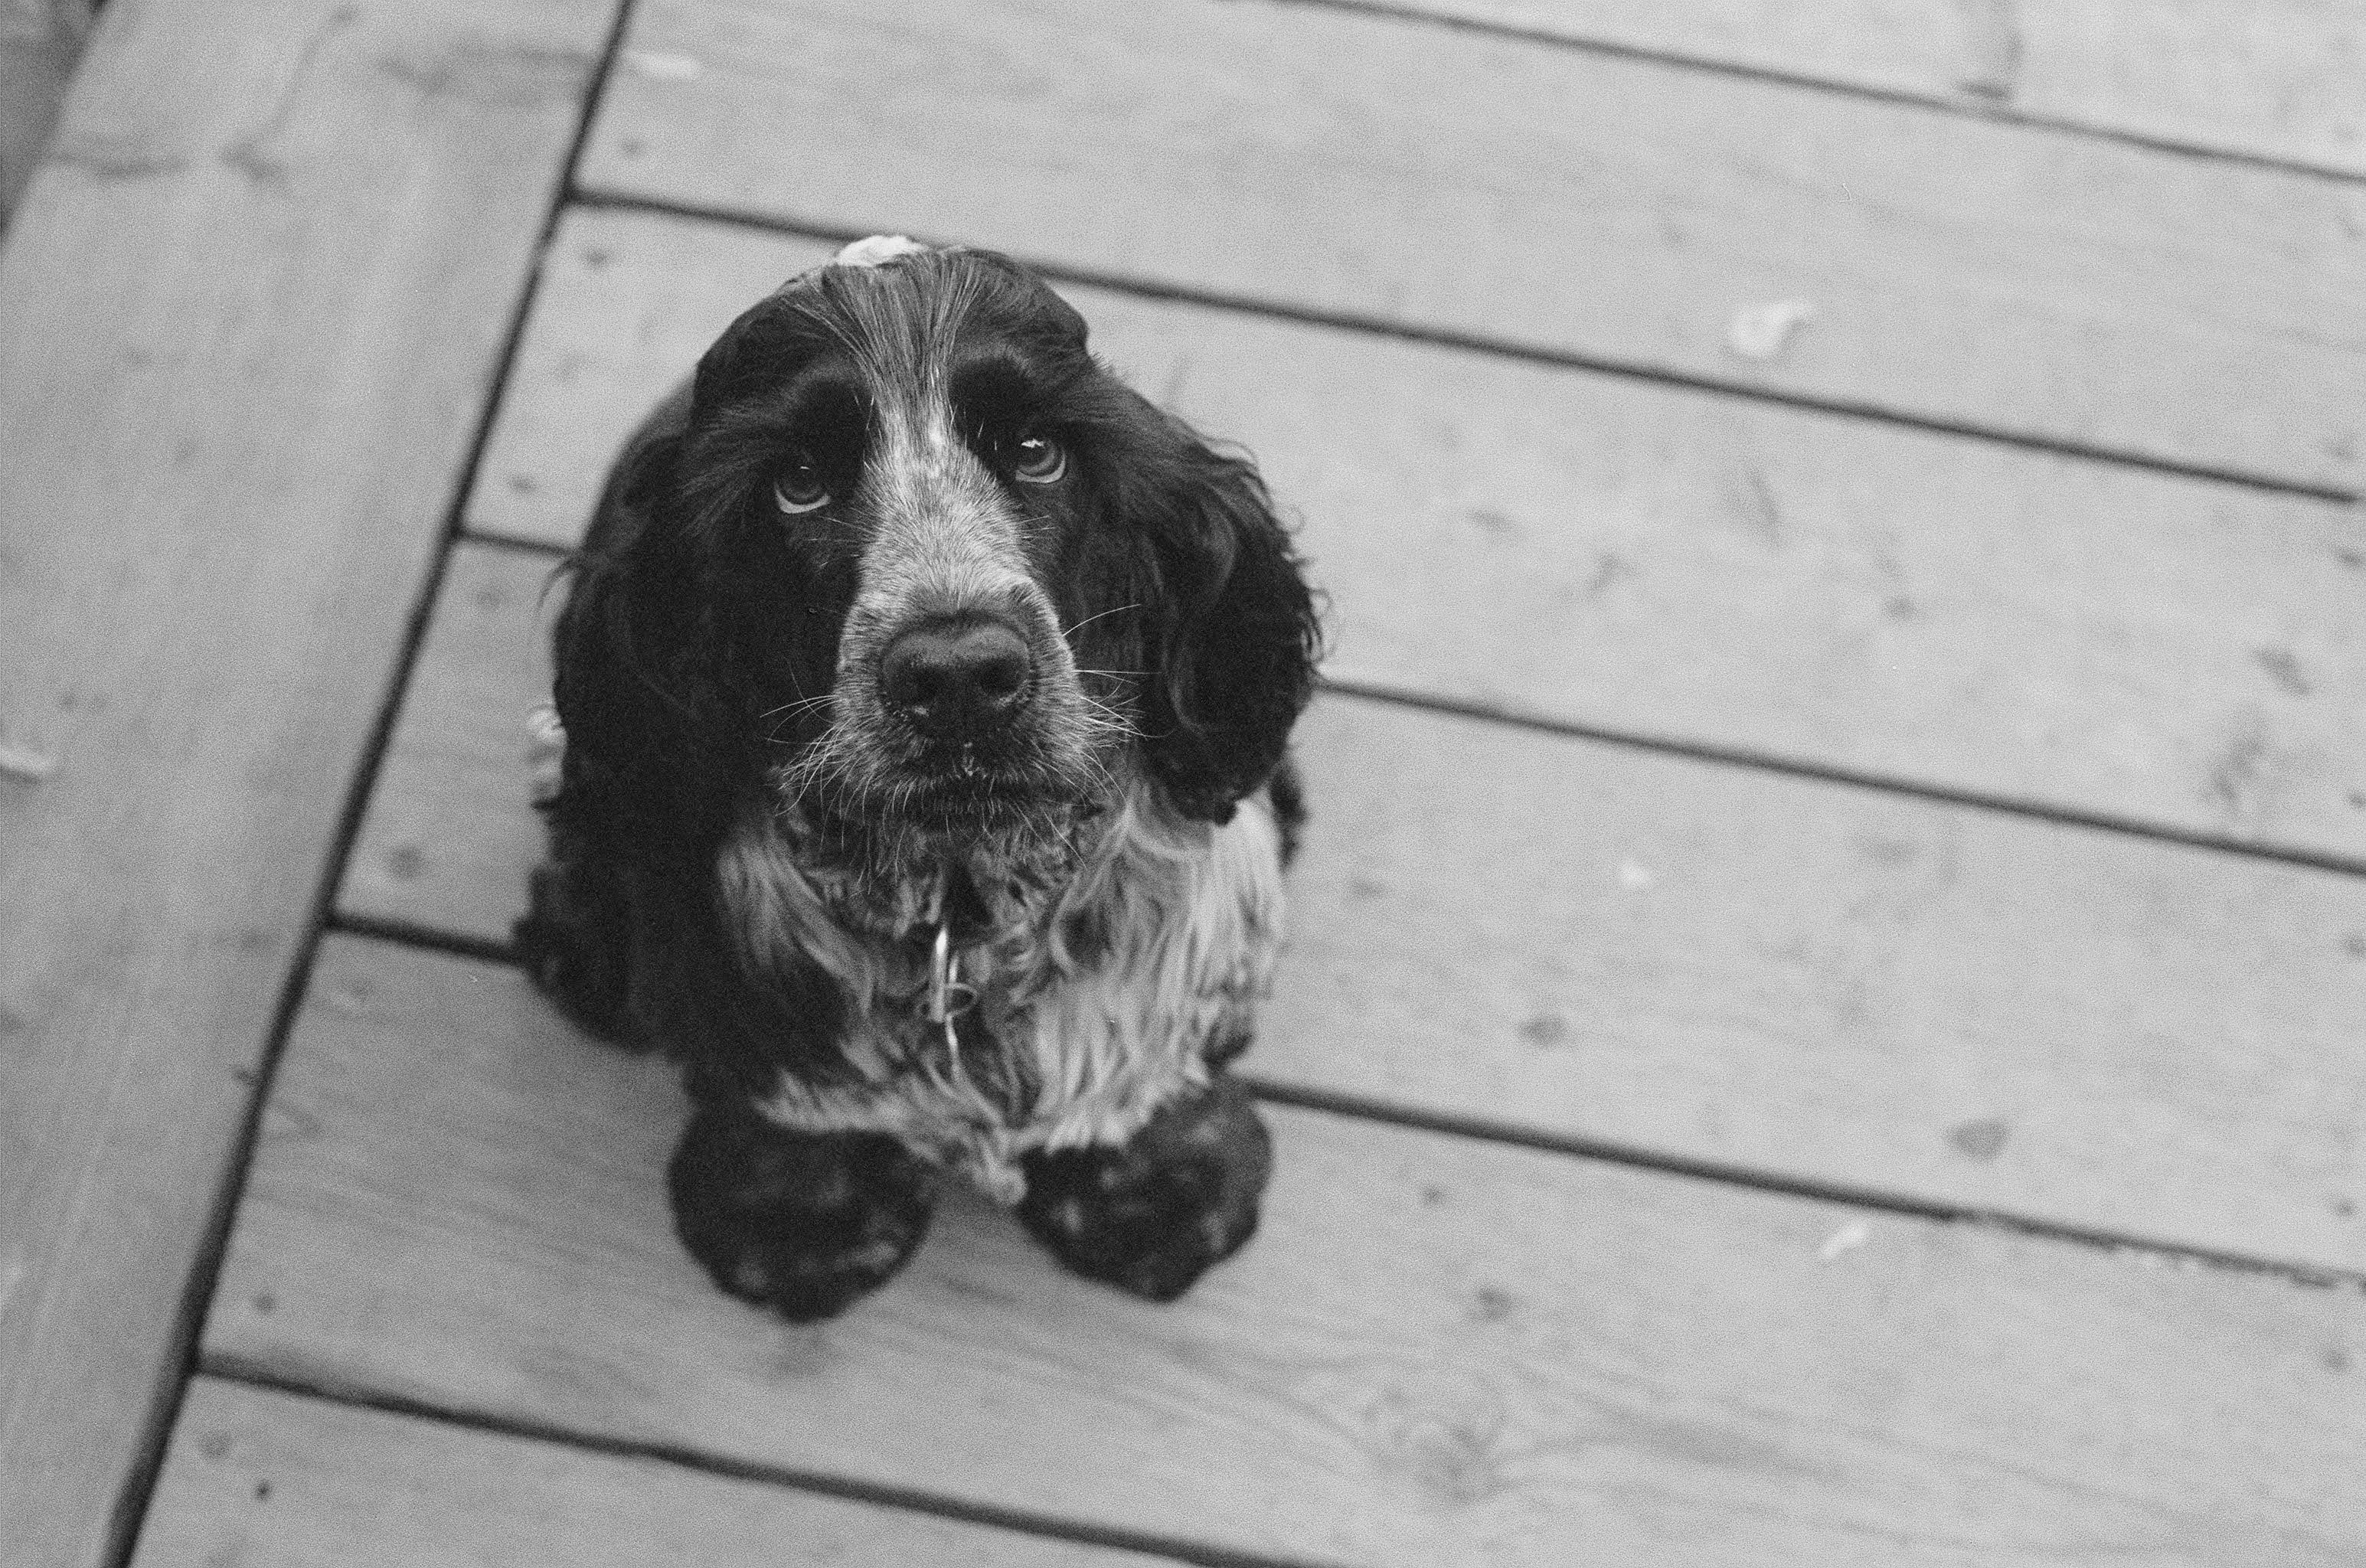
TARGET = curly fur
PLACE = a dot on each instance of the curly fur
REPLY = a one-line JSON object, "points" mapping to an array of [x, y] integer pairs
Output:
{"points": [[1098, 994], [754, 840]]}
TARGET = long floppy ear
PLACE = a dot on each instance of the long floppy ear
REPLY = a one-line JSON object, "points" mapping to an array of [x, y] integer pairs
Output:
{"points": [[634, 684], [656, 660], [1229, 636], [624, 927]]}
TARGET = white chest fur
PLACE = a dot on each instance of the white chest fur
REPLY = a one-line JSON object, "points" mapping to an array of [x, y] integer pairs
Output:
{"points": [[1112, 987]]}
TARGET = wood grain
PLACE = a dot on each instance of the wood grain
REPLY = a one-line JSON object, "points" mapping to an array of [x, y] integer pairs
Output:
{"points": [[249, 313], [1681, 565], [1437, 1351], [2274, 79], [2002, 276], [1812, 982], [1827, 984], [269, 1480]]}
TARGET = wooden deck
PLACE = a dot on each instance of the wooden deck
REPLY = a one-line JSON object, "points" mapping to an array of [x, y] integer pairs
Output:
{"points": [[1826, 1019]]}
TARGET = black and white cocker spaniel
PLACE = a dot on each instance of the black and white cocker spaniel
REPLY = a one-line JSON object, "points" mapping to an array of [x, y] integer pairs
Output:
{"points": [[925, 695]]}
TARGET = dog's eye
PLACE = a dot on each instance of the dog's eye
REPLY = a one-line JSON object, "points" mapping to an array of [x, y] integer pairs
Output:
{"points": [[1038, 459], [797, 485]]}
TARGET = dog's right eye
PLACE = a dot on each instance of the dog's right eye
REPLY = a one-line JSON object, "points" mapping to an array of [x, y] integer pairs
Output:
{"points": [[797, 485]]}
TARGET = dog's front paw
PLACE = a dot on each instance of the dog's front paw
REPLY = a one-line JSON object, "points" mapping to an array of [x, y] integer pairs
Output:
{"points": [[1152, 1214], [799, 1222]]}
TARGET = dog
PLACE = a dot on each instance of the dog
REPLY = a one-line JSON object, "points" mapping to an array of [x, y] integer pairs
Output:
{"points": [[925, 695]]}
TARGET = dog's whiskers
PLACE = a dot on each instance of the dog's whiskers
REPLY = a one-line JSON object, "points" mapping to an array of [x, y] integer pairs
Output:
{"points": [[1089, 620], [1100, 720], [800, 705]]}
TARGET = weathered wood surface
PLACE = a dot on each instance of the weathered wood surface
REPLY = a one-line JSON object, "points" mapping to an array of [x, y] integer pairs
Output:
{"points": [[39, 41], [249, 313], [1828, 983], [1655, 561], [627, 302], [447, 840], [1437, 1351], [261, 1479], [1813, 982], [2283, 80], [1961, 270], [1814, 586]]}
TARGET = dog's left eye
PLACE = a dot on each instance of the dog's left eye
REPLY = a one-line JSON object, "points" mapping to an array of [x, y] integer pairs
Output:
{"points": [[1038, 459], [799, 487]]}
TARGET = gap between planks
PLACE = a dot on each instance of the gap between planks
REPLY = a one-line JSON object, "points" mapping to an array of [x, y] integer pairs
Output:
{"points": [[1147, 287], [157, 968], [1971, 106], [1311, 154], [1436, 1351], [205, 1272], [1758, 935], [618, 259], [231, 1367], [1666, 745], [1357, 1107], [1760, 580], [1634, 1157]]}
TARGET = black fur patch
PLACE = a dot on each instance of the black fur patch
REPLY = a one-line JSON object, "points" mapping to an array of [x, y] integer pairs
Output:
{"points": [[1152, 1215], [801, 1224]]}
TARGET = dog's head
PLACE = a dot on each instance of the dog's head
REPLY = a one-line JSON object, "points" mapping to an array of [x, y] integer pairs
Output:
{"points": [[906, 553]]}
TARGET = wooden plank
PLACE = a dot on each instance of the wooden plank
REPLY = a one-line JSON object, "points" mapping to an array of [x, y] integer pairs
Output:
{"points": [[1835, 984], [1437, 1352], [1825, 984], [626, 304], [2273, 79], [269, 1480], [249, 313], [446, 841], [1655, 561], [2044, 285], [39, 41]]}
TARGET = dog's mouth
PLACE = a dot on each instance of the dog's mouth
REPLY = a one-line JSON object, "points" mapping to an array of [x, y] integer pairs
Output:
{"points": [[953, 788], [909, 818], [943, 791]]}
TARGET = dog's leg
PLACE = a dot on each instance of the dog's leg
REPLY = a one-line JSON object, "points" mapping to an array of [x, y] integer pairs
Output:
{"points": [[575, 941], [1152, 1214], [801, 1223]]}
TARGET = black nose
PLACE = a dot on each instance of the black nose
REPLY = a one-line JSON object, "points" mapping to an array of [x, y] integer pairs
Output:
{"points": [[955, 680]]}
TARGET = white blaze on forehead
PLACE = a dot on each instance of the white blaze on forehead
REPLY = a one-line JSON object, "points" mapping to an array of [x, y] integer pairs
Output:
{"points": [[877, 249], [947, 539]]}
